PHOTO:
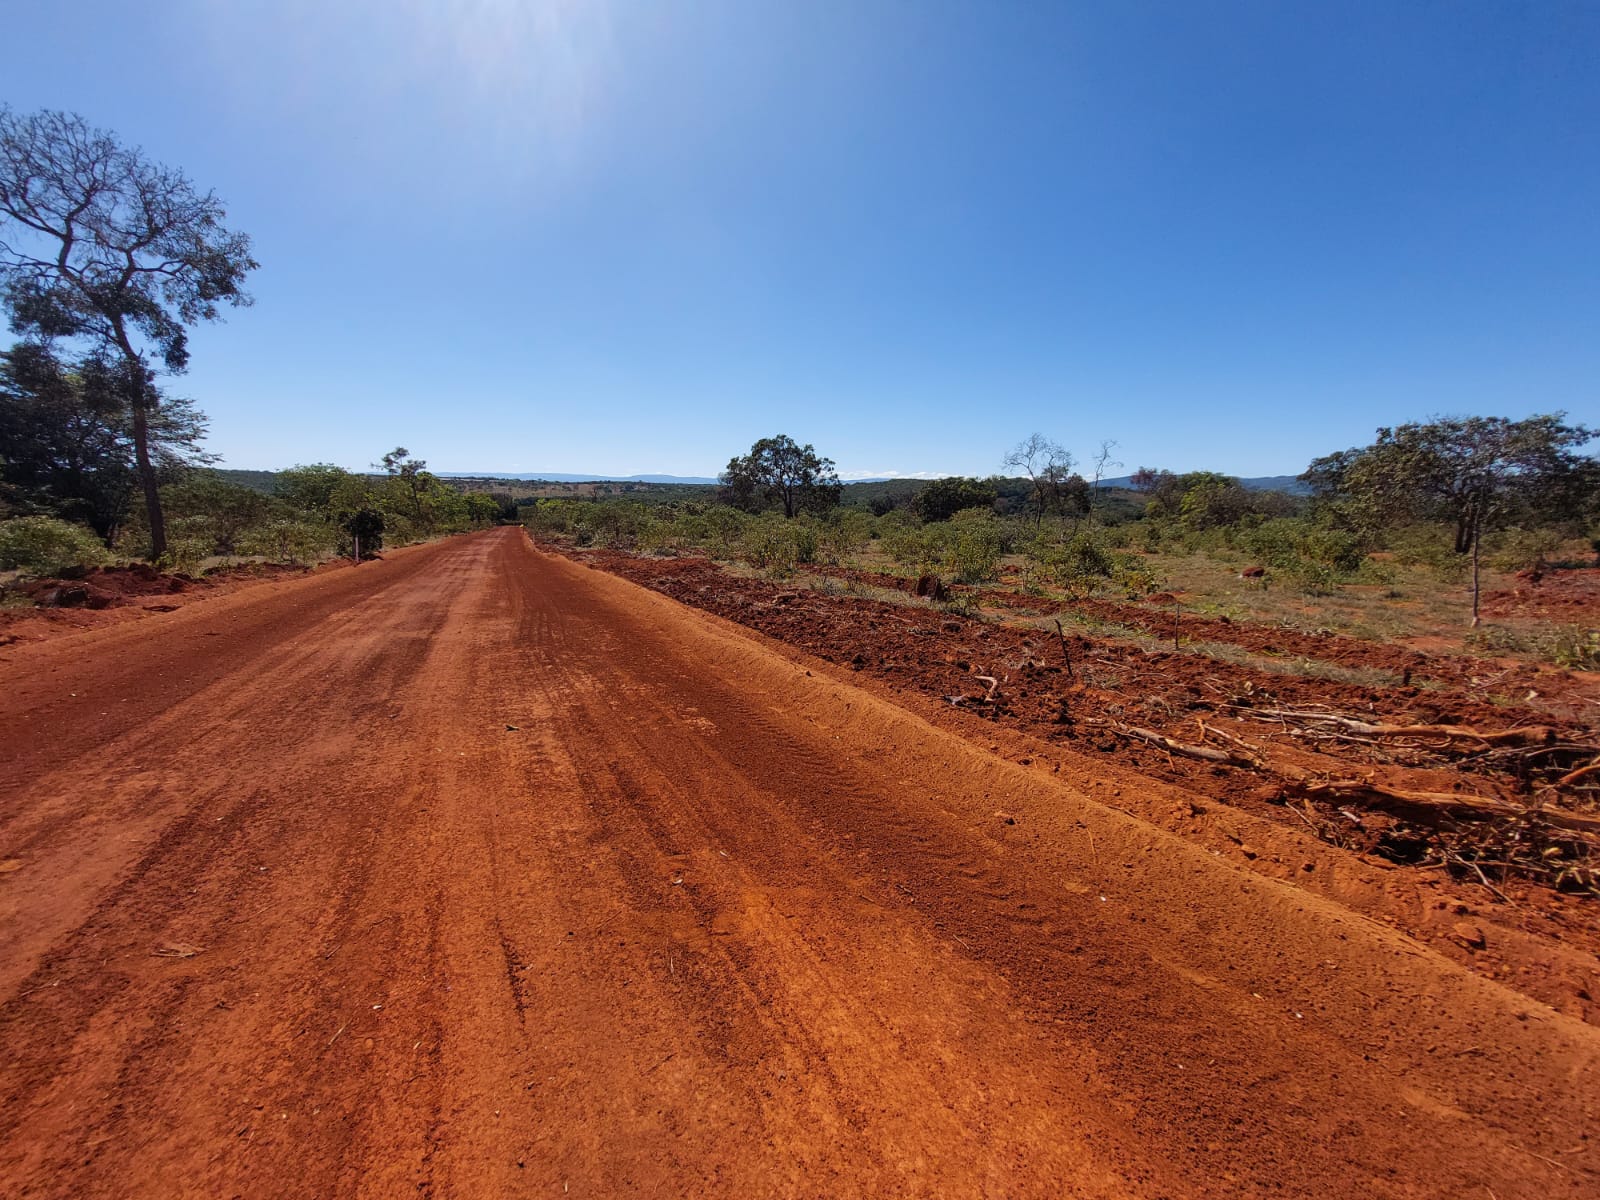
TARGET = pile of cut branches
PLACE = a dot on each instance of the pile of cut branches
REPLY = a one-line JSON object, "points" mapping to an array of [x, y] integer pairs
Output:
{"points": [[1539, 820]]}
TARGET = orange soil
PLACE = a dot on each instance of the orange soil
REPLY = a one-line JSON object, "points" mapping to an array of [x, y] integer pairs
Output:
{"points": [[477, 873]]}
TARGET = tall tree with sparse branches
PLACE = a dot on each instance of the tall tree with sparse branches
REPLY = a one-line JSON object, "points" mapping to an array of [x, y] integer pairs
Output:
{"points": [[1474, 472], [101, 245], [1048, 468]]}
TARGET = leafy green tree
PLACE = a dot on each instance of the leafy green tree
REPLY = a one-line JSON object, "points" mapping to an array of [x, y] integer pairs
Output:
{"points": [[66, 446], [220, 511], [1211, 500], [410, 474], [777, 471], [1162, 491], [1475, 473], [101, 245], [943, 498], [311, 489], [366, 527], [482, 508]]}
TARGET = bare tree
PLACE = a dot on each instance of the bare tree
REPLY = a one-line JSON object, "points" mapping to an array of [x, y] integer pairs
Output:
{"points": [[101, 245], [1047, 466], [1102, 461]]}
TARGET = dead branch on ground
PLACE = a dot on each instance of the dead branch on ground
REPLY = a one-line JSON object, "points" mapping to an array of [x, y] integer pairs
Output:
{"points": [[1529, 735], [1187, 749]]}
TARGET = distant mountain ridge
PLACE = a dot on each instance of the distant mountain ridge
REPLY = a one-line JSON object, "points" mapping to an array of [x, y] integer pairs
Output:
{"points": [[1259, 483], [567, 477]]}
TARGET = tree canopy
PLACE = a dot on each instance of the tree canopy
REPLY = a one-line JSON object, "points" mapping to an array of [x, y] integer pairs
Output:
{"points": [[66, 443], [943, 498], [101, 245], [1476, 473], [779, 472], [1473, 472]]}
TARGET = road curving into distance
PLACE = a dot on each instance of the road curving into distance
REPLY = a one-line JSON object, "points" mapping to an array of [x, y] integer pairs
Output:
{"points": [[476, 872]]}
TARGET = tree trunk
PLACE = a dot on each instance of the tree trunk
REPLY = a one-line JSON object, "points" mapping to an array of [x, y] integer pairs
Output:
{"points": [[141, 397], [1477, 546], [147, 480]]}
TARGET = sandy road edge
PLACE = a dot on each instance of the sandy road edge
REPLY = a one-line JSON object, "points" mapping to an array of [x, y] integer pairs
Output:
{"points": [[824, 693]]}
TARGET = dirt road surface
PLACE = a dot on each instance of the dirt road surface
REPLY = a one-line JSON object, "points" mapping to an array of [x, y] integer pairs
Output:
{"points": [[475, 872]]}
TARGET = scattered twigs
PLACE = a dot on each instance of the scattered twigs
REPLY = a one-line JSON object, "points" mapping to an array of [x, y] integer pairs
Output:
{"points": [[1530, 735], [1456, 860], [1583, 772], [1376, 795], [1187, 749], [1212, 731], [994, 686]]}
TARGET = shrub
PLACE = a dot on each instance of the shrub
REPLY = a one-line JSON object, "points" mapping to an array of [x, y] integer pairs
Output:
{"points": [[1518, 549], [47, 545], [805, 533], [1336, 548], [1575, 648], [846, 532], [1075, 563], [296, 542], [904, 542], [972, 543], [768, 543]]}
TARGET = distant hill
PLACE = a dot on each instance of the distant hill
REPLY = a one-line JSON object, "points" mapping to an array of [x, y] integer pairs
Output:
{"points": [[566, 477], [1260, 483], [256, 481]]}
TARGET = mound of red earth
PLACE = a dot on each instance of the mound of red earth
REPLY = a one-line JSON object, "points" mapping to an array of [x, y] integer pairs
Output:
{"points": [[1568, 596], [105, 587]]}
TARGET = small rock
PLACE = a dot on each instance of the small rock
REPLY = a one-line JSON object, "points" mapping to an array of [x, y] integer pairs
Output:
{"points": [[1469, 935]]}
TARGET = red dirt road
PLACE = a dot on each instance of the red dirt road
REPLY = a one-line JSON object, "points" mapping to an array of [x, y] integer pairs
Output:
{"points": [[286, 909]]}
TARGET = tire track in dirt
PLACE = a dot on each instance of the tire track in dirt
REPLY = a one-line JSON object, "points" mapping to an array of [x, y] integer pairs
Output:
{"points": [[707, 920]]}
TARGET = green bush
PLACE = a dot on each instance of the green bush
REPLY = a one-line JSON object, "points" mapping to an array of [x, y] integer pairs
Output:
{"points": [[972, 542], [1336, 548], [768, 543], [844, 535], [1076, 563], [1519, 549], [1274, 543], [805, 531], [1575, 648], [47, 546], [904, 542], [299, 543]]}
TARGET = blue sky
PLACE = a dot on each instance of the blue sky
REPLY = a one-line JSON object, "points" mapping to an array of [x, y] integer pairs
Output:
{"points": [[636, 236]]}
